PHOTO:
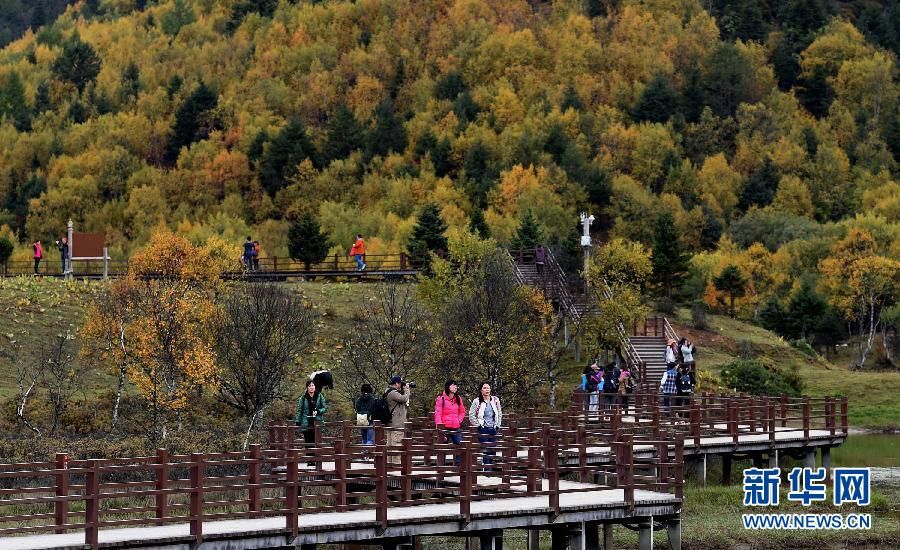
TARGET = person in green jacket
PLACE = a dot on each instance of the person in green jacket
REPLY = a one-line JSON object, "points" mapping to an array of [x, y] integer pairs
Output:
{"points": [[311, 409]]}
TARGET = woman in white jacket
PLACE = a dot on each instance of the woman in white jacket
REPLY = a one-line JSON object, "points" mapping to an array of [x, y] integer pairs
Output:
{"points": [[486, 413]]}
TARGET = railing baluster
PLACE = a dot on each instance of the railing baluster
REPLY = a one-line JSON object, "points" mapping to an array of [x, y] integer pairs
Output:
{"points": [[61, 507], [197, 474], [255, 456], [162, 482], [92, 505]]}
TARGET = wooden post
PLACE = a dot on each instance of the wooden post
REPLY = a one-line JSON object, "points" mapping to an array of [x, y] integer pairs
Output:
{"points": [[197, 475], [628, 441], [406, 469], [162, 482], [291, 494], [381, 497], [254, 496], [844, 415], [806, 419], [335, 261], [340, 474], [61, 507], [553, 471], [403, 261], [679, 467], [466, 479], [784, 411], [275, 263], [92, 505]]}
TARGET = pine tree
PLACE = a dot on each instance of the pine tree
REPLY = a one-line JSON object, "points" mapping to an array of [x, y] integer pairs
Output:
{"points": [[389, 134], [78, 63], [6, 250], [529, 235], [441, 158], [733, 283], [284, 153], [427, 236], [596, 8], [131, 82], [658, 102], [814, 92], [306, 241], [42, 100], [571, 100], [344, 135], [12, 101], [479, 173], [477, 225], [188, 126], [761, 186], [804, 310], [450, 86], [669, 259]]}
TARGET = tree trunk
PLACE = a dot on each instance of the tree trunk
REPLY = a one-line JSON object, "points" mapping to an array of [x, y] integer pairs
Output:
{"points": [[119, 389], [252, 422]]}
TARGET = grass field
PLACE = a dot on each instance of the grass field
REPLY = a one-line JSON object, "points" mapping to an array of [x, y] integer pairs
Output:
{"points": [[34, 310]]}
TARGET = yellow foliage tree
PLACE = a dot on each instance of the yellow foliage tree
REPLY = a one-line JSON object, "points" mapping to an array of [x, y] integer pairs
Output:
{"points": [[157, 325]]}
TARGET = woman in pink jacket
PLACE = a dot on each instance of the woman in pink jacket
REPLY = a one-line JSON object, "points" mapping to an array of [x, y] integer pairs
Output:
{"points": [[449, 412]]}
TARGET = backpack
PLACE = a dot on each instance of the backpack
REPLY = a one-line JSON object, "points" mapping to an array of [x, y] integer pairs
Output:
{"points": [[686, 385], [381, 411], [611, 381], [592, 383]]}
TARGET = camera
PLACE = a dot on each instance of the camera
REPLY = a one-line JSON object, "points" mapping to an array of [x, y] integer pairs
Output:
{"points": [[411, 384]]}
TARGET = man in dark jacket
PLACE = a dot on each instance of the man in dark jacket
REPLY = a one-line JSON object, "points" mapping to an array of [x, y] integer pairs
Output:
{"points": [[63, 247]]}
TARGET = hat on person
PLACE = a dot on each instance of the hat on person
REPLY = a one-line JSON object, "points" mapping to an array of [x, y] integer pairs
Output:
{"points": [[670, 342], [396, 380], [594, 365]]}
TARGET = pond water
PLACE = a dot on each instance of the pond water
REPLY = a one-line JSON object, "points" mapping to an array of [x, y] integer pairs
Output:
{"points": [[875, 450]]}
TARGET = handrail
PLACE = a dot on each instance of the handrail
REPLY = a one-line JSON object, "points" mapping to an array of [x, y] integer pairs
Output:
{"points": [[632, 357]]}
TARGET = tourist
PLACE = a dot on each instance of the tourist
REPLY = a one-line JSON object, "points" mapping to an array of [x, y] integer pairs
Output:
{"points": [[486, 413], [363, 407], [397, 398], [248, 254], [311, 410], [610, 385], [626, 386], [687, 353], [540, 257], [38, 254], [63, 247], [449, 413], [668, 385], [684, 386], [671, 355], [358, 251], [594, 380], [255, 255]]}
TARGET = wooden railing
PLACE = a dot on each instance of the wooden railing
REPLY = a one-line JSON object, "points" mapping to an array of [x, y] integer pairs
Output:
{"points": [[90, 495]]}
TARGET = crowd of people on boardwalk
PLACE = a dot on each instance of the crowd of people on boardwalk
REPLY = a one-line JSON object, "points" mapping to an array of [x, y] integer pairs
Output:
{"points": [[678, 382], [251, 253], [450, 413]]}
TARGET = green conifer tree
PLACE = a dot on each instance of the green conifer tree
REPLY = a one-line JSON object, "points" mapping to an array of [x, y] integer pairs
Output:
{"points": [[389, 134], [427, 236], [529, 235], [731, 282], [343, 135], [441, 158], [12, 101], [131, 82], [658, 102], [279, 162], [477, 225], [669, 259], [306, 241], [179, 16], [78, 63], [188, 126], [761, 186]]}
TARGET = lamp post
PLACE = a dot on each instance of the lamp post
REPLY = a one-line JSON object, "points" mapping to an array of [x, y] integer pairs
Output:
{"points": [[586, 222]]}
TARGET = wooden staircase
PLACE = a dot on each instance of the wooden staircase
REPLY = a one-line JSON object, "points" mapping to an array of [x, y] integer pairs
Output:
{"points": [[644, 349]]}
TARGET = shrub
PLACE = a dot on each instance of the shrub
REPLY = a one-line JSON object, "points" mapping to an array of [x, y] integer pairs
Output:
{"points": [[751, 376], [666, 305]]}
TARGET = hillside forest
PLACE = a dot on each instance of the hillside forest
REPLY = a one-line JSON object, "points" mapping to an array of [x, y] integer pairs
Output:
{"points": [[751, 147]]}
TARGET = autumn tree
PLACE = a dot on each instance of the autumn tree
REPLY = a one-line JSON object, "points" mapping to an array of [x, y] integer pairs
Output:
{"points": [[617, 274], [261, 335], [164, 312], [658, 102], [389, 134], [861, 284], [306, 241], [179, 16], [12, 101], [732, 282]]}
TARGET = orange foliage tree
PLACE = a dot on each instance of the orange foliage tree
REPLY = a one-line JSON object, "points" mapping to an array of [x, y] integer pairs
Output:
{"points": [[156, 325]]}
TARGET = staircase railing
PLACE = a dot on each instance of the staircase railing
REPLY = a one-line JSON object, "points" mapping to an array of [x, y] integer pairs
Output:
{"points": [[632, 357], [565, 299], [668, 330]]}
